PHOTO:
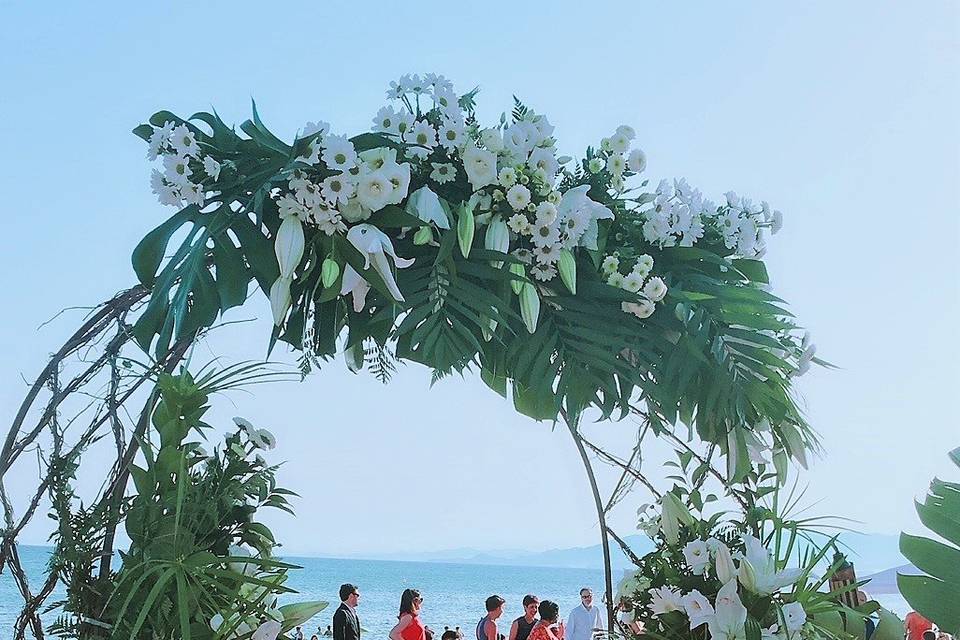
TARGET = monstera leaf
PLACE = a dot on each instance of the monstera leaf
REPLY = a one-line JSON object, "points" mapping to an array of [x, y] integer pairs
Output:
{"points": [[937, 594]]}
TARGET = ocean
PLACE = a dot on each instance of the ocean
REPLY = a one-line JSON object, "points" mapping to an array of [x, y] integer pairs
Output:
{"points": [[453, 593]]}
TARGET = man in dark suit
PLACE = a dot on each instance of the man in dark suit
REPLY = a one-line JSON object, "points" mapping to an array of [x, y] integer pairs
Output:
{"points": [[346, 624]]}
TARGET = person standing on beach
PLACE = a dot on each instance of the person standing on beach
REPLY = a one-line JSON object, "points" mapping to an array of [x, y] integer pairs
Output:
{"points": [[585, 619], [346, 624], [409, 626], [520, 629], [487, 627], [547, 628]]}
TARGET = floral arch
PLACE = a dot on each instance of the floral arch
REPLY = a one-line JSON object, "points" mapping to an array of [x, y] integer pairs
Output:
{"points": [[570, 285]]}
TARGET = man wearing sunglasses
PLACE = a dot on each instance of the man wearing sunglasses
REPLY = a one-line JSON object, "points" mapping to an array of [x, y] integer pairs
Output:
{"points": [[585, 620], [346, 624]]}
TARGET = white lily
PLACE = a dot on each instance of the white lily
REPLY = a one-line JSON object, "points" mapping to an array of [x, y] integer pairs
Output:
{"points": [[425, 204], [375, 247], [726, 570], [241, 551], [664, 600], [576, 201], [698, 609], [794, 616], [267, 631], [758, 569], [730, 614]]}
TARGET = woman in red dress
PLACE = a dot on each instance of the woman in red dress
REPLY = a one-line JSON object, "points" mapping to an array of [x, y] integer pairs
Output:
{"points": [[409, 626], [547, 628]]}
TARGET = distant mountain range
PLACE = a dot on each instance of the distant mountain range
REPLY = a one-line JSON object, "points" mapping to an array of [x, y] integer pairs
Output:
{"points": [[870, 553]]}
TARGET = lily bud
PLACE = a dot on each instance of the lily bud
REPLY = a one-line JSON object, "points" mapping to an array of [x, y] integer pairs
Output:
{"points": [[497, 239], [517, 269], [747, 575], [329, 272], [280, 299], [674, 512], [354, 357], [529, 306], [726, 571], [568, 270], [465, 229], [289, 245], [424, 235]]}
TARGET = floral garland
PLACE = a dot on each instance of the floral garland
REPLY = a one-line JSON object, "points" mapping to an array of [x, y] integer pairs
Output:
{"points": [[445, 237]]}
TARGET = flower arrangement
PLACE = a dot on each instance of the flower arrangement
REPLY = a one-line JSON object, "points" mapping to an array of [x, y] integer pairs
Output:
{"points": [[439, 240]]}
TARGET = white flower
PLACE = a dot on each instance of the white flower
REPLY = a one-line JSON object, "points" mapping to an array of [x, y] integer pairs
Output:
{"points": [[328, 220], [451, 134], [169, 194], [615, 279], [263, 439], [610, 264], [176, 169], [337, 189], [211, 167], [771, 633], [697, 608], [664, 600], [291, 207], [523, 255], [319, 127], [520, 138], [633, 282], [518, 197], [545, 235], [518, 222], [655, 289], [492, 140], [192, 194], [245, 425], [375, 246], [595, 165], [374, 190], [627, 131], [642, 309], [543, 272], [733, 200], [616, 164], [697, 555], [543, 126], [159, 139], [405, 121], [386, 120], [422, 135], [730, 615], [546, 213], [726, 571], [443, 172], [656, 229], [338, 153], [619, 143], [399, 177], [425, 204], [794, 616], [241, 551], [184, 141], [643, 265], [507, 177], [480, 166], [758, 569], [269, 630], [575, 225], [776, 222], [548, 254], [543, 158]]}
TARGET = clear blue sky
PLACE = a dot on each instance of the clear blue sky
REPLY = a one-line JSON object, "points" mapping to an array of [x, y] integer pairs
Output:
{"points": [[843, 115]]}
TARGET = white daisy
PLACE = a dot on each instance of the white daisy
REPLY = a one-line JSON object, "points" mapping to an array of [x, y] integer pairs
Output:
{"points": [[616, 164], [184, 141], [159, 139], [655, 289], [338, 153], [619, 143], [576, 224], [615, 279], [642, 309], [543, 272], [329, 221], [337, 189], [443, 172], [451, 134], [311, 154], [518, 197], [610, 264], [177, 169], [405, 121], [523, 255], [386, 120], [422, 135], [637, 161], [633, 282], [169, 194], [374, 190], [548, 254], [546, 213], [289, 206], [518, 222], [595, 165], [545, 235], [212, 167], [446, 100], [192, 194], [507, 177], [156, 181]]}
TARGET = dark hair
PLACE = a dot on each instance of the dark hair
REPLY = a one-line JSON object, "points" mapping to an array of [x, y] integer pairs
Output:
{"points": [[549, 611], [530, 599], [493, 602], [346, 590], [406, 601], [449, 634], [929, 634], [587, 589]]}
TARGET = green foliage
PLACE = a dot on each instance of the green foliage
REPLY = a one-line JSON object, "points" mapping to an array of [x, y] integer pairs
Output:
{"points": [[936, 594]]}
